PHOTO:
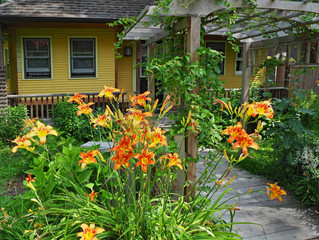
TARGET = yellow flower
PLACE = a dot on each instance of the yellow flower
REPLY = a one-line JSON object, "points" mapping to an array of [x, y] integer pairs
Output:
{"points": [[85, 109], [89, 232], [108, 92], [42, 131], [140, 99], [23, 142], [173, 160]]}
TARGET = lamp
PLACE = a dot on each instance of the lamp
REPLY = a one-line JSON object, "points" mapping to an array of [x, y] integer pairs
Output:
{"points": [[127, 51]]}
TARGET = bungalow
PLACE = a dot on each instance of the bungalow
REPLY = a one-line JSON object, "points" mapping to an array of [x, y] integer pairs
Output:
{"points": [[54, 46]]}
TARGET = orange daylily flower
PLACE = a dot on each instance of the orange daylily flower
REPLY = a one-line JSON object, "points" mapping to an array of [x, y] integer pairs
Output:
{"points": [[89, 232], [145, 158], [85, 109], [42, 131], [29, 179], [157, 137], [140, 99], [77, 98], [276, 192], [234, 132], [223, 104], [138, 117], [317, 82], [88, 157], [92, 195], [101, 120], [122, 158], [261, 109], [245, 141], [173, 160], [108, 92], [23, 142], [126, 144]]}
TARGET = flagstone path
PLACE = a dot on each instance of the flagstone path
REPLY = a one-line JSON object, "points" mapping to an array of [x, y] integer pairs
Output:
{"points": [[280, 221]]}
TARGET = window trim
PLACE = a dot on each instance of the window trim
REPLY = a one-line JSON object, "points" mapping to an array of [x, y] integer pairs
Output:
{"points": [[225, 59], [23, 57], [238, 73], [95, 52]]}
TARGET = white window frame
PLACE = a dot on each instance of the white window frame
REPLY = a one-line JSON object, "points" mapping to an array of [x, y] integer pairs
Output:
{"points": [[25, 59], [224, 60], [239, 59], [85, 72]]}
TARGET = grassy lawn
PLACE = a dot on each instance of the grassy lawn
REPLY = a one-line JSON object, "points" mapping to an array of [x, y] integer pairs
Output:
{"points": [[12, 169]]}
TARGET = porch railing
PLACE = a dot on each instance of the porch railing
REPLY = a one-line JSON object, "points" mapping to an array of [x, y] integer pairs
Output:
{"points": [[274, 92], [41, 105]]}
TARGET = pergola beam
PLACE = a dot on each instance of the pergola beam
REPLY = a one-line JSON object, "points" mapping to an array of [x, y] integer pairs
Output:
{"points": [[241, 20], [202, 8], [279, 29], [177, 28]]}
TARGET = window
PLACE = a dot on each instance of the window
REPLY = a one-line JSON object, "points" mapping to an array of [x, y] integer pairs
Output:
{"points": [[82, 56], [37, 58], [239, 61], [218, 46]]}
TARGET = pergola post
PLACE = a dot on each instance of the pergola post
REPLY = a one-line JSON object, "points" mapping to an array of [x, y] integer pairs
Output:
{"points": [[245, 73], [193, 42], [3, 81]]}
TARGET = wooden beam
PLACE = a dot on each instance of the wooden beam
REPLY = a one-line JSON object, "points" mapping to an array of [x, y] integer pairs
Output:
{"points": [[193, 42], [202, 8], [246, 73], [317, 61], [280, 29]]}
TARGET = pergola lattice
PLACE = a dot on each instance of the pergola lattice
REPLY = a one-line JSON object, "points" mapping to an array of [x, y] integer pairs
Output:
{"points": [[276, 19]]}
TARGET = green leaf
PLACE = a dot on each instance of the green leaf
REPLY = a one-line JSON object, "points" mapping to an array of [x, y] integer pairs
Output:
{"points": [[307, 111], [85, 176], [89, 185], [298, 94], [295, 125], [288, 140]]}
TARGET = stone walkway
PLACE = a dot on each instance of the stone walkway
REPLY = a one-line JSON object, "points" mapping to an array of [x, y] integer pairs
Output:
{"points": [[281, 221]]}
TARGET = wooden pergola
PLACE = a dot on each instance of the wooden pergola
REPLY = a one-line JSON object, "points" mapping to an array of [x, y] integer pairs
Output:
{"points": [[277, 20]]}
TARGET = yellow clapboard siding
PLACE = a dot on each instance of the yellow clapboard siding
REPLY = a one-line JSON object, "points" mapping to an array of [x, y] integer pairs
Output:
{"points": [[60, 82], [125, 67]]}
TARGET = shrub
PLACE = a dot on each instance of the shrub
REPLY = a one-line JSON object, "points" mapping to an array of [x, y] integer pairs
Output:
{"points": [[11, 122], [65, 119]]}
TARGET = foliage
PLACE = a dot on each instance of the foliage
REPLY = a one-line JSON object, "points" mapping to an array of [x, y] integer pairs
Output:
{"points": [[11, 166], [126, 193], [188, 83], [11, 122], [64, 116], [291, 142]]}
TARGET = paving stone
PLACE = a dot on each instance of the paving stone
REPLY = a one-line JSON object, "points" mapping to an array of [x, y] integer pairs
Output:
{"points": [[280, 221]]}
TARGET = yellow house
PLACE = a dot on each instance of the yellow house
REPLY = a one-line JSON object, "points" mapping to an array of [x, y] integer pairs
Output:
{"points": [[66, 46]]}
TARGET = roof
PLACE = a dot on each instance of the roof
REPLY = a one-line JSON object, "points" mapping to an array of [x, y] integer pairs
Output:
{"points": [[71, 10]]}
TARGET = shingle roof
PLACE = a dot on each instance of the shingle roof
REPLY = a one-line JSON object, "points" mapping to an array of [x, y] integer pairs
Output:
{"points": [[71, 10]]}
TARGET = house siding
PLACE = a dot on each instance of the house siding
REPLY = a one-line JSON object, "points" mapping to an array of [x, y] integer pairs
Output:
{"points": [[125, 68], [60, 81], [230, 78]]}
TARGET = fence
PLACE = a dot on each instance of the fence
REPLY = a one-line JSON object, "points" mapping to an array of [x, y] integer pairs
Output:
{"points": [[274, 92], [41, 105]]}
